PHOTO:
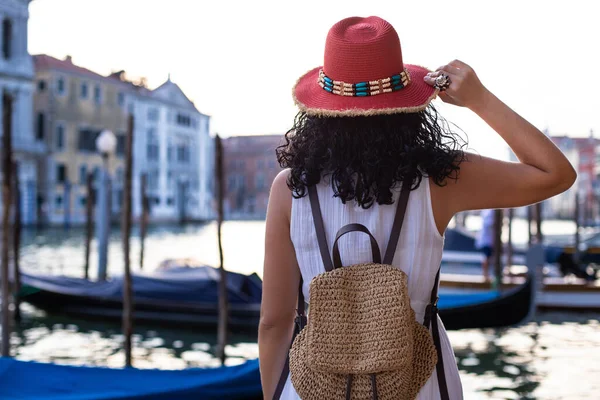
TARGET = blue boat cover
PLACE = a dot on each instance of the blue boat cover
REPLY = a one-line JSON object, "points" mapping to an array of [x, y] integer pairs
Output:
{"points": [[457, 299], [35, 381], [179, 284]]}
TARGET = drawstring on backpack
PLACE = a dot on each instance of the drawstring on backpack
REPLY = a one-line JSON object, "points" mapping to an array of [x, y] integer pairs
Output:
{"points": [[374, 386], [349, 386]]}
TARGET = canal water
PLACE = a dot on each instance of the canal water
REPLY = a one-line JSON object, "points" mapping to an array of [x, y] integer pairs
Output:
{"points": [[553, 356]]}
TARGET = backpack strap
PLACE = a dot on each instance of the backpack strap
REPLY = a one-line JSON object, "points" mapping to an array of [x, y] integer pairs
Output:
{"points": [[398, 220], [337, 261], [299, 324], [431, 318], [319, 227]]}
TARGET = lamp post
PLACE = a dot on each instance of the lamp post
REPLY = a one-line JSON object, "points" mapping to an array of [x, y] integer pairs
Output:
{"points": [[106, 144]]}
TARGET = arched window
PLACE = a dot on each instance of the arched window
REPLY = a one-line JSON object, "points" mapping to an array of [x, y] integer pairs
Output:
{"points": [[7, 38]]}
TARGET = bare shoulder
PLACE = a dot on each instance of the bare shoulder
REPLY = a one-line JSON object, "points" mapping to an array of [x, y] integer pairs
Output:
{"points": [[280, 199]]}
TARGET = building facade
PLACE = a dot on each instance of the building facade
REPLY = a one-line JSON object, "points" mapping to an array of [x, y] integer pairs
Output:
{"points": [[16, 80], [250, 165], [72, 105], [582, 154], [173, 148]]}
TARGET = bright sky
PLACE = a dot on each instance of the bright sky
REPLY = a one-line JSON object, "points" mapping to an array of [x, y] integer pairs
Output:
{"points": [[238, 60]]}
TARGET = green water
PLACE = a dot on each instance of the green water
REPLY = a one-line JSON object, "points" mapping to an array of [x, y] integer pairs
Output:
{"points": [[554, 356]]}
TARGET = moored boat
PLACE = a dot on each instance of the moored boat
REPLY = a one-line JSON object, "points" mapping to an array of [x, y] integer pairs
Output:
{"points": [[33, 381]]}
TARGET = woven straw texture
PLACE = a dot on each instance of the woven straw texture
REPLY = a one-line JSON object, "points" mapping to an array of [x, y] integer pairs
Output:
{"points": [[361, 322], [359, 50]]}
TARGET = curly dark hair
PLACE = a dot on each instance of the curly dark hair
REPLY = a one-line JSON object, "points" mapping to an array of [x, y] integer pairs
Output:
{"points": [[366, 157]]}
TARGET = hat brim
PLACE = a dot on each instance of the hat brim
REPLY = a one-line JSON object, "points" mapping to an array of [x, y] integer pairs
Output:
{"points": [[311, 384], [312, 99]]}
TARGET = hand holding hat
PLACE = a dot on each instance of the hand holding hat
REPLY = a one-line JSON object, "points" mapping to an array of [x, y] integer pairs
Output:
{"points": [[461, 87]]}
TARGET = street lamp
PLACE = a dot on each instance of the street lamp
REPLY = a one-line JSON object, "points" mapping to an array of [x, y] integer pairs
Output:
{"points": [[106, 144]]}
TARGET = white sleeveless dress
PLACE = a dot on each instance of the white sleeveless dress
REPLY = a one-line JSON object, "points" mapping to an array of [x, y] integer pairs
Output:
{"points": [[418, 254]]}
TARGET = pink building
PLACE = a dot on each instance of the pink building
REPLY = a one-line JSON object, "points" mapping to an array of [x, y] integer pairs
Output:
{"points": [[584, 161]]}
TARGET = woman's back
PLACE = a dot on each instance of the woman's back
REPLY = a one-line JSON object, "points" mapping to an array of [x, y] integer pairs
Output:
{"points": [[419, 249], [418, 254]]}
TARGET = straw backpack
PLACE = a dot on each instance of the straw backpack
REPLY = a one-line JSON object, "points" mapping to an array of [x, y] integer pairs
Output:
{"points": [[362, 340]]}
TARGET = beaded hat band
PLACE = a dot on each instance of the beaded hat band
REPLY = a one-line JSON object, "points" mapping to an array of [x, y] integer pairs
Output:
{"points": [[367, 88], [362, 60]]}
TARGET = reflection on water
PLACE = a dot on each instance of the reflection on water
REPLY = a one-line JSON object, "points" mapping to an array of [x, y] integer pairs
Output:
{"points": [[555, 356], [63, 340]]}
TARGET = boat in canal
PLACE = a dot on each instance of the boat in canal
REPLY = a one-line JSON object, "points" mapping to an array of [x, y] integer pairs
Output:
{"points": [[564, 286], [180, 296], [187, 297], [26, 380]]}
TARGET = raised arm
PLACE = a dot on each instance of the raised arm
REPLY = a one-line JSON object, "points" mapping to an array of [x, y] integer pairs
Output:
{"points": [[542, 171]]}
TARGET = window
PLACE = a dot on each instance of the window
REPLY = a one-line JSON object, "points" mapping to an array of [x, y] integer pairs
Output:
{"points": [[152, 150], [61, 173], [120, 144], [260, 181], [152, 147], [183, 120], [58, 200], [169, 201], [96, 174], [82, 201], [152, 114], [84, 90], [87, 139], [7, 38], [97, 94], [60, 86], [153, 180], [183, 153], [40, 126], [41, 86], [121, 99], [60, 137], [169, 152], [120, 175], [83, 174], [231, 183]]}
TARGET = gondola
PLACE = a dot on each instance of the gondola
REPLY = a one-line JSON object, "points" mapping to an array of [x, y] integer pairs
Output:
{"points": [[187, 297], [184, 297], [463, 309], [33, 381]]}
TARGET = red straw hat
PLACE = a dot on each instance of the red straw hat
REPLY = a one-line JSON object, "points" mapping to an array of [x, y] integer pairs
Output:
{"points": [[363, 74]]}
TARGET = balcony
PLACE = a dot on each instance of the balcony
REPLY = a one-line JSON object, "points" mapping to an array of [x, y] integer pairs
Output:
{"points": [[27, 145]]}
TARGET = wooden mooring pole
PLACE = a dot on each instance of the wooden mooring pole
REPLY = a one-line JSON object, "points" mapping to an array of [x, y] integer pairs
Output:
{"points": [[89, 222], [16, 242], [529, 219], [509, 249], [576, 254], [498, 214], [538, 223], [143, 217], [7, 103], [223, 306], [126, 230]]}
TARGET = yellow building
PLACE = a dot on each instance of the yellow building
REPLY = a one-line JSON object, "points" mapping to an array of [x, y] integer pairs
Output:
{"points": [[72, 105]]}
